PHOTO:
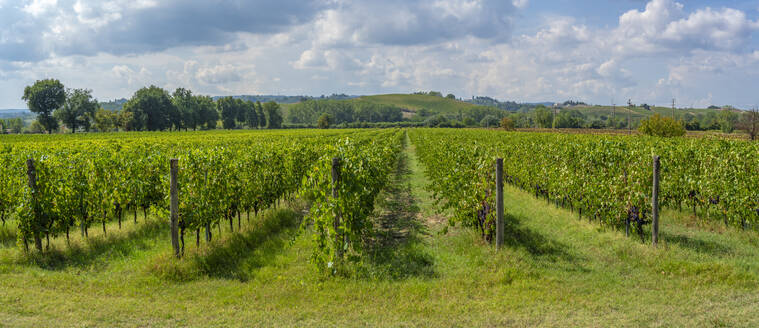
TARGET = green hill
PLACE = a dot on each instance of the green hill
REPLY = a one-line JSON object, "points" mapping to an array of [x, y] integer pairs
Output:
{"points": [[638, 113], [425, 107], [389, 108], [415, 102], [442, 105]]}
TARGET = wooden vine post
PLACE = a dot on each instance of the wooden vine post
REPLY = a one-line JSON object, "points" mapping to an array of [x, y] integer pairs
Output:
{"points": [[335, 195], [499, 203], [655, 204], [174, 208], [32, 173]]}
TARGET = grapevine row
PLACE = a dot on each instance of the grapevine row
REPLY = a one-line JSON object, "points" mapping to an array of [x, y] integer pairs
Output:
{"points": [[607, 178], [342, 204], [80, 182]]}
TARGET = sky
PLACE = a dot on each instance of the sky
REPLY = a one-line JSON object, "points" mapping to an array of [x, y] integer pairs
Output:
{"points": [[699, 52]]}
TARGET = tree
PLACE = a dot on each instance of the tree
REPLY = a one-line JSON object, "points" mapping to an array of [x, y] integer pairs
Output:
{"points": [[36, 127], [569, 119], [489, 121], [727, 120], [152, 110], [78, 110], [543, 117], [438, 120], [15, 125], [242, 114], [451, 96], [43, 97], [507, 124], [123, 120], [709, 121], [187, 108], [749, 123], [251, 117], [227, 107], [208, 117], [273, 115], [661, 126], [423, 113], [324, 121], [261, 115], [105, 120]]}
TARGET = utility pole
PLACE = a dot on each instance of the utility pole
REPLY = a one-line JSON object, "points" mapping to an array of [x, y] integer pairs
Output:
{"points": [[673, 108], [613, 109], [629, 116], [553, 120]]}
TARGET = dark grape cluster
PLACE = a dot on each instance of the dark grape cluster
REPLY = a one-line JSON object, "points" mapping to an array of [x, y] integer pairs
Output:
{"points": [[638, 219], [486, 226]]}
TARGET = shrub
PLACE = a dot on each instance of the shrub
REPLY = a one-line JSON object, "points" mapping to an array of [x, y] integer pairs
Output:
{"points": [[660, 126], [324, 121], [507, 124]]}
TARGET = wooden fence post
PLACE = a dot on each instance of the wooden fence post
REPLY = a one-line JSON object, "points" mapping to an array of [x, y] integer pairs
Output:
{"points": [[499, 203], [174, 208], [335, 195], [655, 204], [32, 174]]}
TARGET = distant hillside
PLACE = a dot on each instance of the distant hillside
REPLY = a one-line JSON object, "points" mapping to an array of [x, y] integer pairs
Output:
{"points": [[287, 99], [505, 105], [637, 113], [113, 105], [13, 113], [419, 108], [434, 104]]}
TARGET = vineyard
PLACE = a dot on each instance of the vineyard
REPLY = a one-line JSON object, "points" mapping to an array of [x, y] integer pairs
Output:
{"points": [[379, 227], [54, 187], [604, 178]]}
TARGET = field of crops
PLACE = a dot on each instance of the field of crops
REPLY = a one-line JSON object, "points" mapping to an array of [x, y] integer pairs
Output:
{"points": [[375, 227], [53, 184], [605, 178]]}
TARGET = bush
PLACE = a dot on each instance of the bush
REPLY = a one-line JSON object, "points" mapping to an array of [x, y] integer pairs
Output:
{"points": [[437, 121], [324, 121], [660, 126], [36, 127], [507, 124]]}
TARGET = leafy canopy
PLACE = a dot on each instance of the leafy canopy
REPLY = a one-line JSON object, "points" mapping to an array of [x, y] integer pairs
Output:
{"points": [[660, 126], [43, 97]]}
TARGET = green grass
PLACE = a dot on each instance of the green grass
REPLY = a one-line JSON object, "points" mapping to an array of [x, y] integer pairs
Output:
{"points": [[555, 270]]}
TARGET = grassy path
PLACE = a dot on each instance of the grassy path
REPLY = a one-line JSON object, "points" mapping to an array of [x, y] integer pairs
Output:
{"points": [[554, 271]]}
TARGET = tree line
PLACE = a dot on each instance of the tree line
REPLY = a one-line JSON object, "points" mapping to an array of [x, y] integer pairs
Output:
{"points": [[342, 111], [149, 109]]}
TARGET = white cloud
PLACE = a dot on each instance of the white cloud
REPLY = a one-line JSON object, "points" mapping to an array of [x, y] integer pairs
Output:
{"points": [[219, 74], [39, 7], [521, 4], [465, 47], [310, 59], [665, 26]]}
